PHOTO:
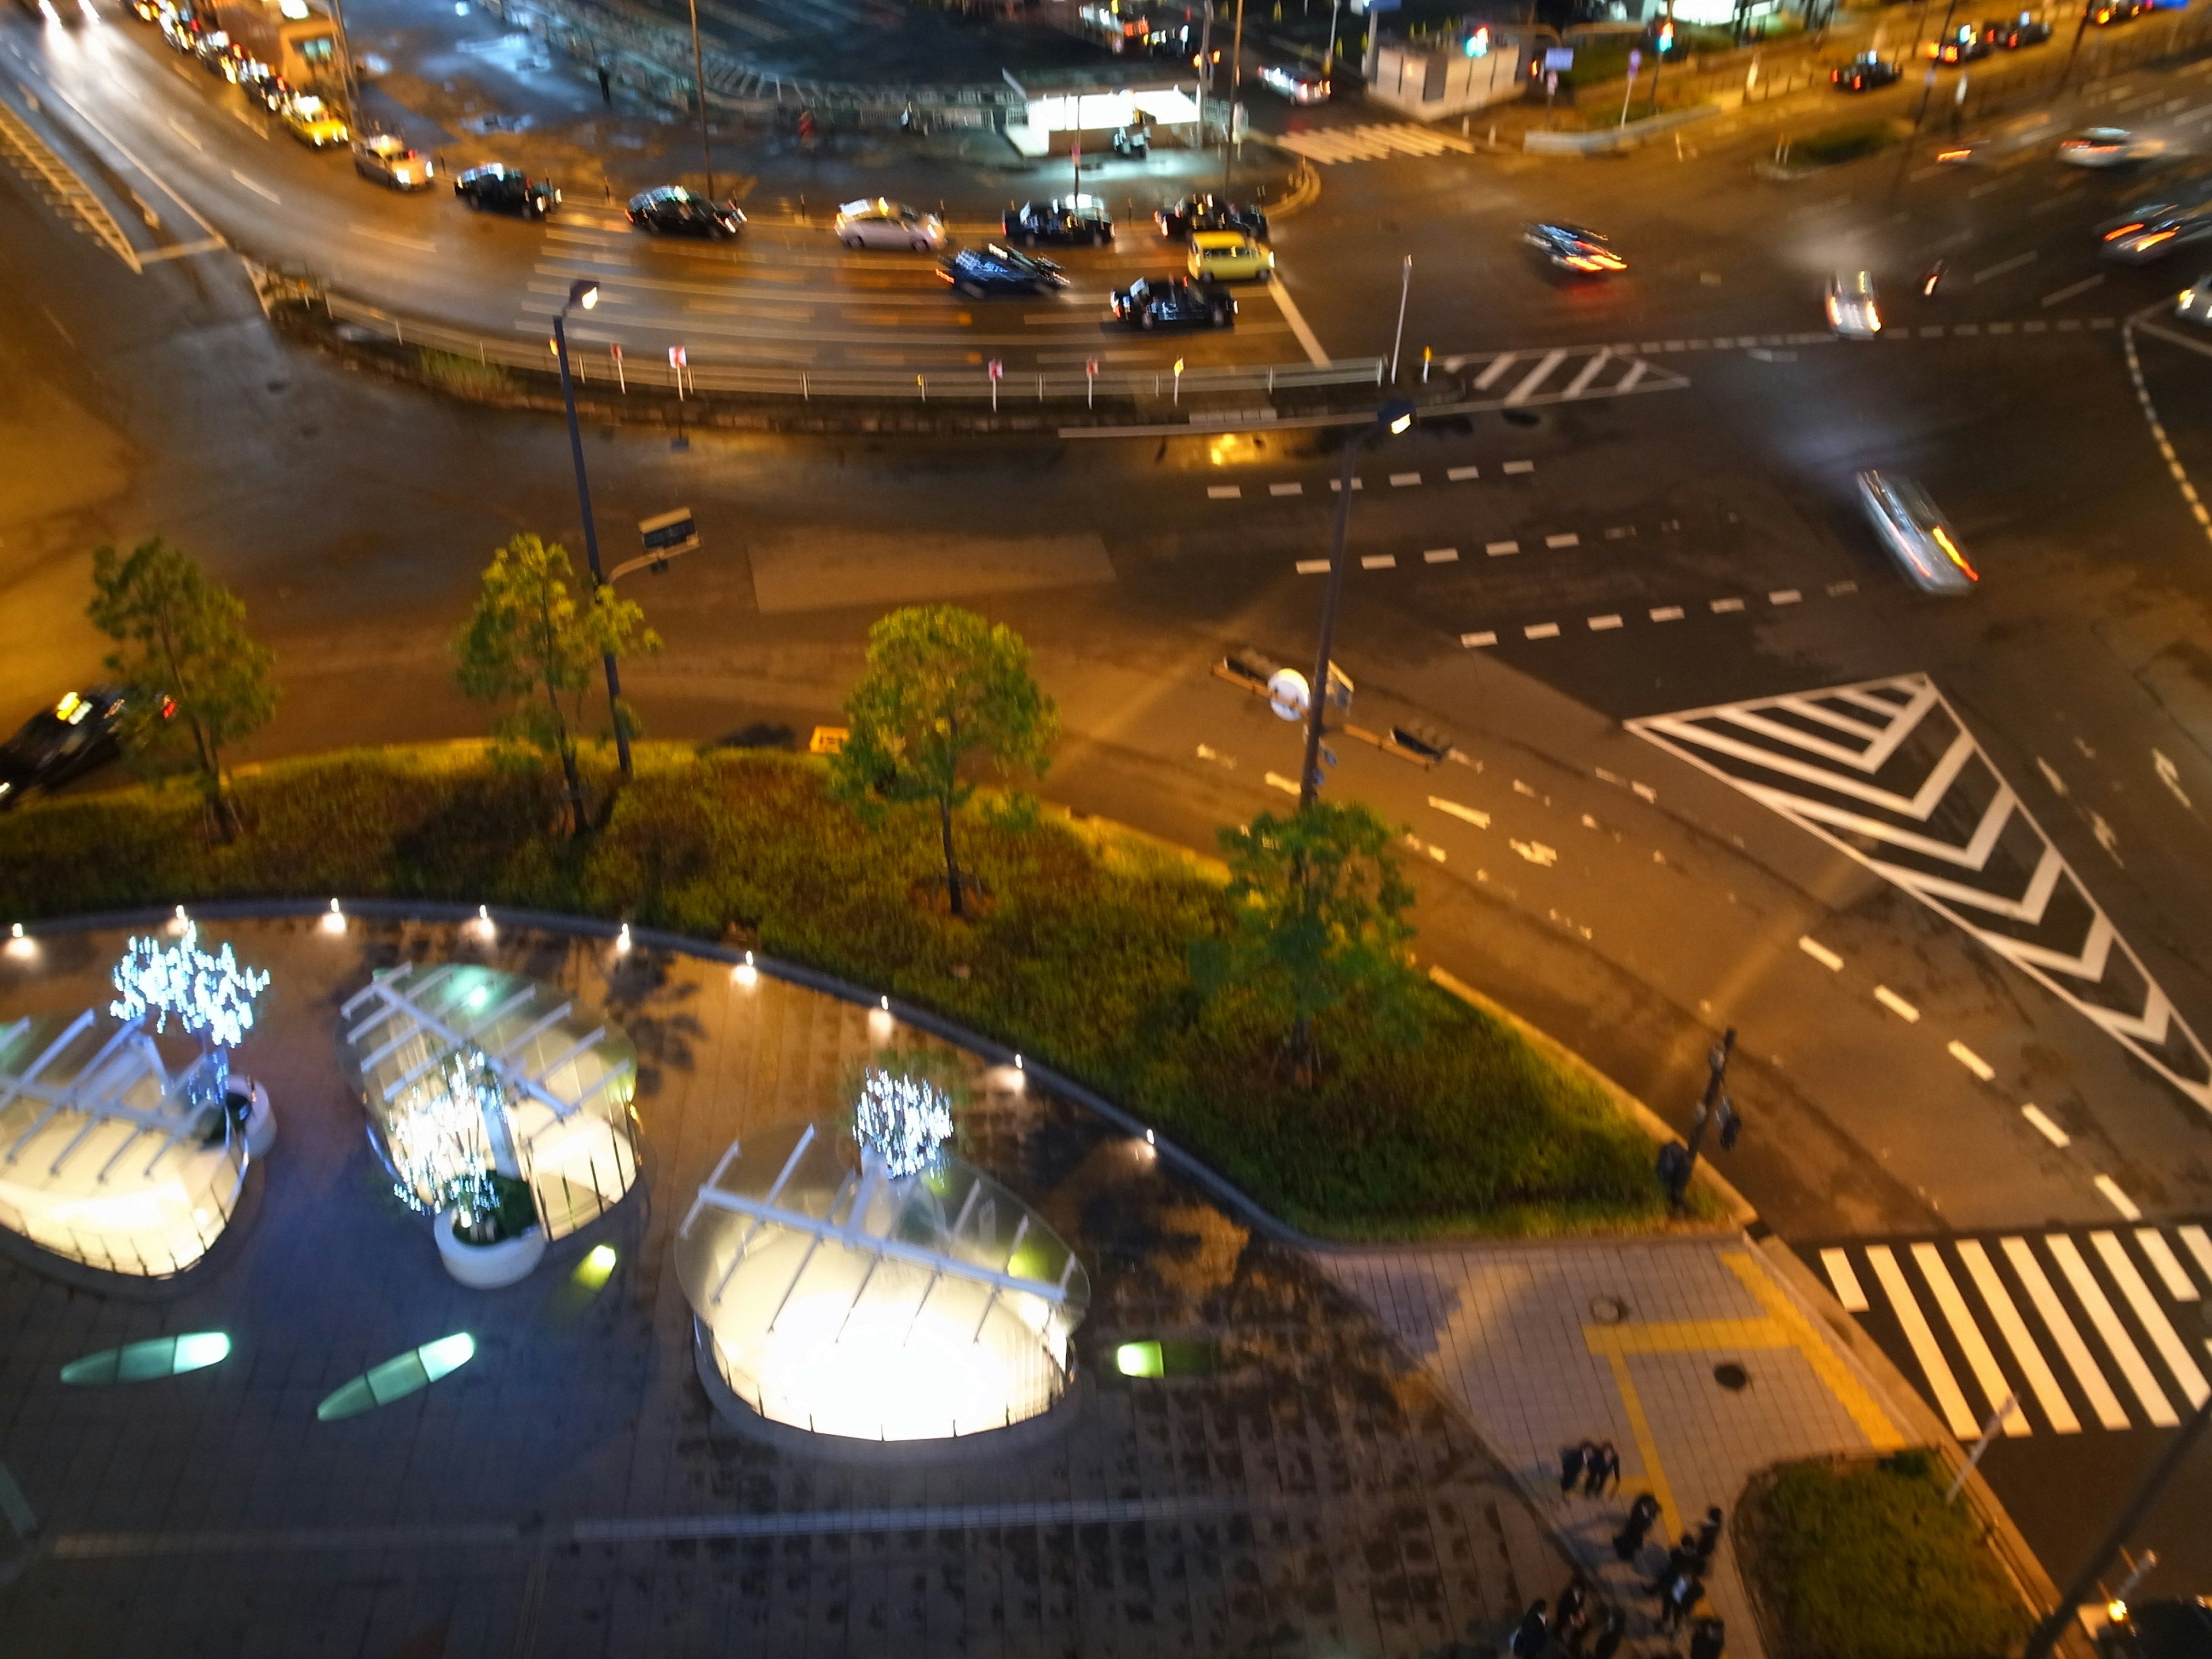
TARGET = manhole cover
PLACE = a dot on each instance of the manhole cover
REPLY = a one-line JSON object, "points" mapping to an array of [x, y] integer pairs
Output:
{"points": [[1731, 1376], [1608, 1309]]}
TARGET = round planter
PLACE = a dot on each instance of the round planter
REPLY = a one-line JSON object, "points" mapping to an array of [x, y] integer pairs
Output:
{"points": [[260, 1120], [488, 1266]]}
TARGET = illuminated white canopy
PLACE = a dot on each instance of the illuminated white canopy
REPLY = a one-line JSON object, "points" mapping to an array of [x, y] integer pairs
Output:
{"points": [[459, 1063], [840, 1299], [105, 1155]]}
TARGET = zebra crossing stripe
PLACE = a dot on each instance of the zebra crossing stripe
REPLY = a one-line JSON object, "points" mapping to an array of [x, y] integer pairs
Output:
{"points": [[1987, 1372], [2060, 1324], [1949, 1399], [2160, 1255], [1845, 1280], [2200, 1247], [2117, 1342], [2163, 1337], [2013, 1328]]}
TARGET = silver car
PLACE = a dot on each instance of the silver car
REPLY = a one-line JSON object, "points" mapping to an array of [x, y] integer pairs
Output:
{"points": [[1852, 312], [880, 223], [2151, 230], [1917, 535], [2195, 305], [387, 158]]}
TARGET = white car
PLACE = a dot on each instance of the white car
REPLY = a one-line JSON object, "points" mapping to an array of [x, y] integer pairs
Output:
{"points": [[1852, 312], [2106, 147], [1300, 85], [388, 159], [1916, 534], [880, 223], [2195, 305]]}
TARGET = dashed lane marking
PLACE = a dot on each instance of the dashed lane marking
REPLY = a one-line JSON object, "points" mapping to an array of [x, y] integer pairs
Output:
{"points": [[1441, 555], [1513, 468], [1666, 613], [1404, 480], [1499, 550], [1820, 953], [1313, 566], [1564, 538], [1224, 492], [1722, 607], [1476, 641], [1541, 631], [1480, 820], [1972, 1061], [1604, 624], [1378, 561], [1897, 1005], [1462, 474], [2118, 1199], [1277, 780], [1286, 490], [2040, 1121]]}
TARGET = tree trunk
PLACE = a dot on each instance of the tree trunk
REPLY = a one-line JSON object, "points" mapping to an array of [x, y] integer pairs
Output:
{"points": [[219, 803], [952, 883], [576, 789]]}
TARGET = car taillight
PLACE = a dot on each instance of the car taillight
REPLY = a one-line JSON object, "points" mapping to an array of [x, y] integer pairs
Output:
{"points": [[2154, 238], [169, 707], [2115, 235], [1952, 553]]}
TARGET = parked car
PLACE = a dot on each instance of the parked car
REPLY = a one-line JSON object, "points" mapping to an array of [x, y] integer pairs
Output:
{"points": [[1174, 302], [1962, 46], [2012, 33], [1864, 73], [1570, 247], [2106, 13], [497, 187], [1916, 534], [389, 160], [182, 30], [1299, 85], [2106, 147], [1133, 143], [1229, 256], [314, 122], [2151, 230], [1195, 213], [149, 11], [1852, 312], [881, 223], [211, 47], [673, 210], [1063, 221], [80, 732], [991, 270], [265, 86]]}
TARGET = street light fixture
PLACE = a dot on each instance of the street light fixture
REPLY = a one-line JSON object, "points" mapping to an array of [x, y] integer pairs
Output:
{"points": [[1395, 419], [582, 297]]}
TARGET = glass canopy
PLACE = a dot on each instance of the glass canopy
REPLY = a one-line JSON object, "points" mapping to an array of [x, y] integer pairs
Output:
{"points": [[838, 1298], [463, 1069]]}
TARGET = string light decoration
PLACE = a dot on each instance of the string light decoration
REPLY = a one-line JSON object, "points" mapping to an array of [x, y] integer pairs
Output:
{"points": [[903, 1121], [440, 1146], [210, 995]]}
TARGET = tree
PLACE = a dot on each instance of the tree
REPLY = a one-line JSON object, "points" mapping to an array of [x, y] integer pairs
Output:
{"points": [[941, 686], [202, 683], [531, 643], [1320, 923]]}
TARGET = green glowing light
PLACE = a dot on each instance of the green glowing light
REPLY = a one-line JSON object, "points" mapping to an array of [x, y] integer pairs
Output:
{"points": [[141, 1362], [598, 1265], [1140, 1359], [395, 1379]]}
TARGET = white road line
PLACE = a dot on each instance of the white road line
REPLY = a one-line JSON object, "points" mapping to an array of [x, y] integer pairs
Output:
{"points": [[1512, 467], [1404, 480], [2013, 1328], [1724, 607], [1313, 566], [1987, 1372], [2160, 1253], [2200, 1247], [262, 191], [2118, 1199], [1941, 1382], [1785, 596], [1479, 820], [1897, 1005], [1603, 624], [1536, 376], [2117, 1342], [1499, 550], [1845, 1278], [1496, 372], [1441, 555], [1461, 474], [1378, 561], [1568, 539], [415, 242], [1277, 780], [1590, 370], [1541, 631], [1224, 492], [1297, 319], [1667, 613], [2060, 1324], [1336, 485], [1972, 1061], [1820, 952], [2050, 1132], [1286, 490], [1472, 640], [185, 250], [186, 133], [2152, 1318]]}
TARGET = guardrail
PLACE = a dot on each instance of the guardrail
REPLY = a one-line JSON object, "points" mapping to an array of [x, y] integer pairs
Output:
{"points": [[604, 368]]}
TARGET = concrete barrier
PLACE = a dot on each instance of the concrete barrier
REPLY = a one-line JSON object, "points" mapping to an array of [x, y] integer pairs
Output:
{"points": [[1605, 139]]}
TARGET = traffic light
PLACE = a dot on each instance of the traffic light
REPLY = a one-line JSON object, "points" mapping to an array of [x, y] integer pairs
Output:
{"points": [[1477, 43], [1731, 1124], [1667, 36]]}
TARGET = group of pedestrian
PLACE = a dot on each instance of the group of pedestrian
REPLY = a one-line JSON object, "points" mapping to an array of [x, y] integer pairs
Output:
{"points": [[1680, 1584], [1565, 1630], [1592, 1463]]}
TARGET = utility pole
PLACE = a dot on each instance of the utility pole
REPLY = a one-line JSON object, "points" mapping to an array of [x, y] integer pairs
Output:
{"points": [[1676, 1161], [1236, 86], [2081, 23], [699, 92], [1659, 63], [1205, 65], [1928, 84], [348, 79], [587, 294]]}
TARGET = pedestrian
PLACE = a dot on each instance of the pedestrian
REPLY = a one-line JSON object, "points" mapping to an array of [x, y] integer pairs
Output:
{"points": [[1603, 1469], [1682, 1557], [1614, 1633], [1571, 1459], [606, 85], [1572, 1614], [1684, 1592], [1709, 1535], [1708, 1639], [1531, 1636], [1629, 1541]]}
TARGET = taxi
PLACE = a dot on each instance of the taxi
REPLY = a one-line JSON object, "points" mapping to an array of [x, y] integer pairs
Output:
{"points": [[1219, 256], [313, 122]]}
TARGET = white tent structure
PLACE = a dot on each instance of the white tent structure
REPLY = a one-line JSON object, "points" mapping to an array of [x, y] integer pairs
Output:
{"points": [[835, 1297], [461, 1067], [107, 1157]]}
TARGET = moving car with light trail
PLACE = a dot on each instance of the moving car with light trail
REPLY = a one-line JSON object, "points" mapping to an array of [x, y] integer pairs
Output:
{"points": [[1570, 247], [388, 159], [1209, 212], [1915, 532], [1174, 302], [497, 188], [2014, 33], [1852, 311], [1864, 73], [1962, 46], [1066, 221], [2106, 147], [2195, 305], [882, 223], [76, 735], [1229, 256], [1300, 85], [2106, 12], [673, 210], [2151, 230], [314, 122], [991, 270]]}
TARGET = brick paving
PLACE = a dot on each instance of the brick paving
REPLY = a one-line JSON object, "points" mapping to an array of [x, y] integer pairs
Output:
{"points": [[570, 1491]]}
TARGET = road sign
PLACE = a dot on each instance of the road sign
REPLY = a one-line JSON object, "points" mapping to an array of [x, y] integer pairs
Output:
{"points": [[1559, 57], [998, 369], [1286, 693], [668, 534], [678, 358], [1635, 61]]}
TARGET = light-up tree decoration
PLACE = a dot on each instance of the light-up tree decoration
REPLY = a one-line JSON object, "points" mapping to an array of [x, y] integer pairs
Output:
{"points": [[901, 1120], [209, 995], [441, 1143]]}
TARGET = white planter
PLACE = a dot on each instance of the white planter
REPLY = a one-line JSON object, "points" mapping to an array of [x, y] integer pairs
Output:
{"points": [[260, 1120], [488, 1266]]}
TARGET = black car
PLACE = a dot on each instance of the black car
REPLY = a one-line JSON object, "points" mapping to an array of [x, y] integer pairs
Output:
{"points": [[991, 269], [1961, 46], [2167, 1628], [2014, 33], [1570, 247], [55, 744], [1863, 74], [2105, 13], [499, 188], [265, 86], [673, 210], [1195, 213], [1174, 302], [1074, 219]]}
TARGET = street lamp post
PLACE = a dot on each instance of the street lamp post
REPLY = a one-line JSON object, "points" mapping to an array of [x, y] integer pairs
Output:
{"points": [[699, 92], [1235, 86], [1394, 418], [1928, 84], [586, 294]]}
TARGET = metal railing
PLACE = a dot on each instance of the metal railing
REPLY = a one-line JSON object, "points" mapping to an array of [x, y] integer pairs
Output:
{"points": [[602, 369]]}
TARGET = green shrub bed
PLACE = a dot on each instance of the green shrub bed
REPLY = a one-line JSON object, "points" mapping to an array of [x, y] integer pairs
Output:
{"points": [[1079, 956]]}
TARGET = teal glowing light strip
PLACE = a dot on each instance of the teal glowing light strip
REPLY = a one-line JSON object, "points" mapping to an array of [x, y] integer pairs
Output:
{"points": [[395, 1379], [142, 1362]]}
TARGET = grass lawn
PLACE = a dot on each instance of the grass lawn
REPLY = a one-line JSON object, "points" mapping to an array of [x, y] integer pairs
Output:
{"points": [[1865, 1561], [1079, 956]]}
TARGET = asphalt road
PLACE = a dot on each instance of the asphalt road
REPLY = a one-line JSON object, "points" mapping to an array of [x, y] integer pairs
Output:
{"points": [[1680, 544]]}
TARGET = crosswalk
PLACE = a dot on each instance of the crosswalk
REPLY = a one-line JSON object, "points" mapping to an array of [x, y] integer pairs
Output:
{"points": [[2101, 1328], [1376, 142]]}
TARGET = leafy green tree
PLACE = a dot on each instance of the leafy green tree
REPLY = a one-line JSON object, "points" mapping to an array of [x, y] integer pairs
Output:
{"points": [[203, 683], [943, 688], [1319, 924], [532, 643]]}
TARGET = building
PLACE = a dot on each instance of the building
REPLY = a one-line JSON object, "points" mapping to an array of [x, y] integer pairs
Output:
{"points": [[298, 38], [1445, 75]]}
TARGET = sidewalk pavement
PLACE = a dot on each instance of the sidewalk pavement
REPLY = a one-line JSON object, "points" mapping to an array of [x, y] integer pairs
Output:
{"points": [[1545, 1344]]}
